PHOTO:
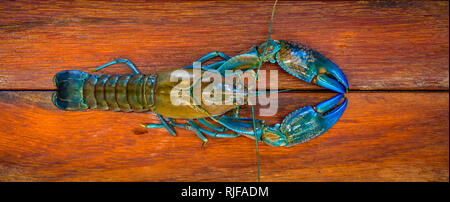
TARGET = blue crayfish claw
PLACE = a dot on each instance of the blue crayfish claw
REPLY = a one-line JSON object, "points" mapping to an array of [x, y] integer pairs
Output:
{"points": [[297, 59], [305, 63], [300, 126], [306, 123]]}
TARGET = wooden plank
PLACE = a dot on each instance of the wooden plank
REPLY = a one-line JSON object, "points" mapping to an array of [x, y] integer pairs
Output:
{"points": [[381, 137], [378, 45]]}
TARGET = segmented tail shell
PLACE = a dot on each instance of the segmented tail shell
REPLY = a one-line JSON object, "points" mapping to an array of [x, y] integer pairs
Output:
{"points": [[80, 91]]}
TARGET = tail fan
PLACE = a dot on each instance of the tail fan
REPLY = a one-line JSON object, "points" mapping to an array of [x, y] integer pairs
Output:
{"points": [[69, 94]]}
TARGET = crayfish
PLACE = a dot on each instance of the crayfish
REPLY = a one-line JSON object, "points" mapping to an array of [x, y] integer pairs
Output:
{"points": [[138, 92]]}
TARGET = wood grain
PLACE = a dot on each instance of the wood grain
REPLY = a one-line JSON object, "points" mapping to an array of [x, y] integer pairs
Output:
{"points": [[381, 137], [379, 45], [399, 132]]}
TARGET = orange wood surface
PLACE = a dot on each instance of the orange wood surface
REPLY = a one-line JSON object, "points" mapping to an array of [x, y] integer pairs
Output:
{"points": [[394, 54], [378, 45], [379, 138]]}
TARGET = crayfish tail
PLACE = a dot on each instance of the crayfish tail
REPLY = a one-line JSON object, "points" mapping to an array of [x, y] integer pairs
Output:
{"points": [[69, 94]]}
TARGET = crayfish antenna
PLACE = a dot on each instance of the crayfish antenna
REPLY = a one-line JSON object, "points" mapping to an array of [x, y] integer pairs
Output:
{"points": [[256, 79]]}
